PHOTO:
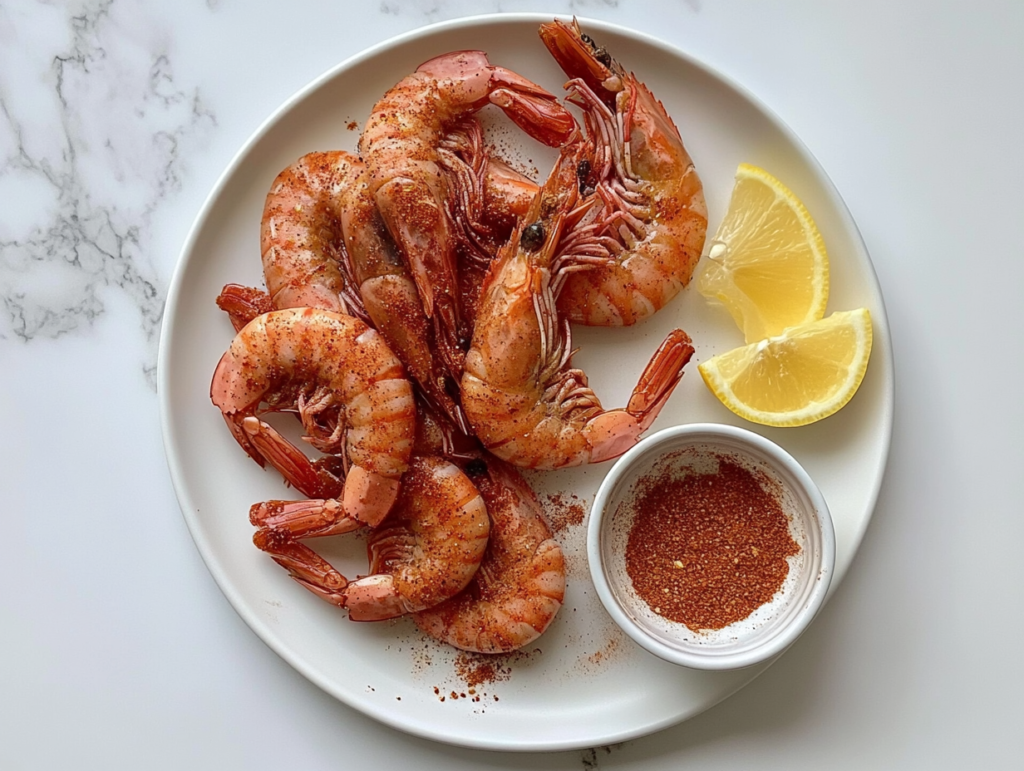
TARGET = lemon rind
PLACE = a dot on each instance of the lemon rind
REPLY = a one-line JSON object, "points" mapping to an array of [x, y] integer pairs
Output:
{"points": [[815, 410]]}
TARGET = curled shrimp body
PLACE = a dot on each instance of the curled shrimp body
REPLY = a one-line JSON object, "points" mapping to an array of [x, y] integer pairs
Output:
{"points": [[300, 241], [301, 236], [525, 402], [400, 146], [427, 549], [520, 585], [653, 202], [350, 392]]}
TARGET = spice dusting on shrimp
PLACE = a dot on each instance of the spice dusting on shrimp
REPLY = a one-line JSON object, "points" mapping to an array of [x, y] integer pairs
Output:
{"points": [[653, 210], [520, 585], [400, 146]]}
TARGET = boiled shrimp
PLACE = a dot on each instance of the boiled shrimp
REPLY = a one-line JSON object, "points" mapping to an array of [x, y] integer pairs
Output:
{"points": [[654, 211], [300, 235], [525, 402], [300, 242], [351, 394], [486, 199], [400, 146], [426, 550], [520, 585], [388, 295]]}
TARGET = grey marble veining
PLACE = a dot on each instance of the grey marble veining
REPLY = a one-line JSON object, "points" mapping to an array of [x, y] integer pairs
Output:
{"points": [[116, 119], [96, 131]]}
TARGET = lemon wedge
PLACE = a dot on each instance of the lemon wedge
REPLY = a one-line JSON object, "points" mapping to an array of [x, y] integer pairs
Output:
{"points": [[803, 375], [767, 262]]}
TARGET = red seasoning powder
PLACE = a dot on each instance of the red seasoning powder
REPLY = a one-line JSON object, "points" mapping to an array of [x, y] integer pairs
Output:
{"points": [[707, 550]]}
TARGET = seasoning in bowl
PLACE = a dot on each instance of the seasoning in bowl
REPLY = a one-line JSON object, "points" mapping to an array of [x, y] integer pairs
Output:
{"points": [[708, 549], [710, 546]]}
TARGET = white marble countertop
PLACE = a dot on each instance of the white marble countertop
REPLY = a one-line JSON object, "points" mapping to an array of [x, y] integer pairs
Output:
{"points": [[118, 649]]}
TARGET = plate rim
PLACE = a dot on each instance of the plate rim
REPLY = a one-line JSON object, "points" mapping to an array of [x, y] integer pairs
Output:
{"points": [[171, 434]]}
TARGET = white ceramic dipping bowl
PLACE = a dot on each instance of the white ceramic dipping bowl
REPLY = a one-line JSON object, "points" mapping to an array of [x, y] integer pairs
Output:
{"points": [[696, 448]]}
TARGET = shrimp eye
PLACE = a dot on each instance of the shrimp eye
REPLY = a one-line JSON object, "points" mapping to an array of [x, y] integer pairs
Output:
{"points": [[582, 173], [588, 40], [533, 237], [476, 467], [603, 56]]}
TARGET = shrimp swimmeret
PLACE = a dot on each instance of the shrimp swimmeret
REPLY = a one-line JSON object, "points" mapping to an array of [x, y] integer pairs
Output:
{"points": [[426, 550], [350, 392]]}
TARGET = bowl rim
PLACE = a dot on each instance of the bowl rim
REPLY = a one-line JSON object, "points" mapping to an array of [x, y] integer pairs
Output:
{"points": [[709, 433]]}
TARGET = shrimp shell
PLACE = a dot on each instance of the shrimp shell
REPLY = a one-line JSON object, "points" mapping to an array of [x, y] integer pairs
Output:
{"points": [[350, 389], [520, 585], [425, 552]]}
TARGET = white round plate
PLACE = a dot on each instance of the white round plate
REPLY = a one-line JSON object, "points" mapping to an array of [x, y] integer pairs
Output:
{"points": [[584, 683]]}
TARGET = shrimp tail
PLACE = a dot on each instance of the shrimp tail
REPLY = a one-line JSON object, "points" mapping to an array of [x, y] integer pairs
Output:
{"points": [[541, 117], [295, 466], [534, 109], [303, 519], [366, 494], [242, 438], [660, 377], [612, 433], [373, 598], [243, 303], [304, 565]]}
